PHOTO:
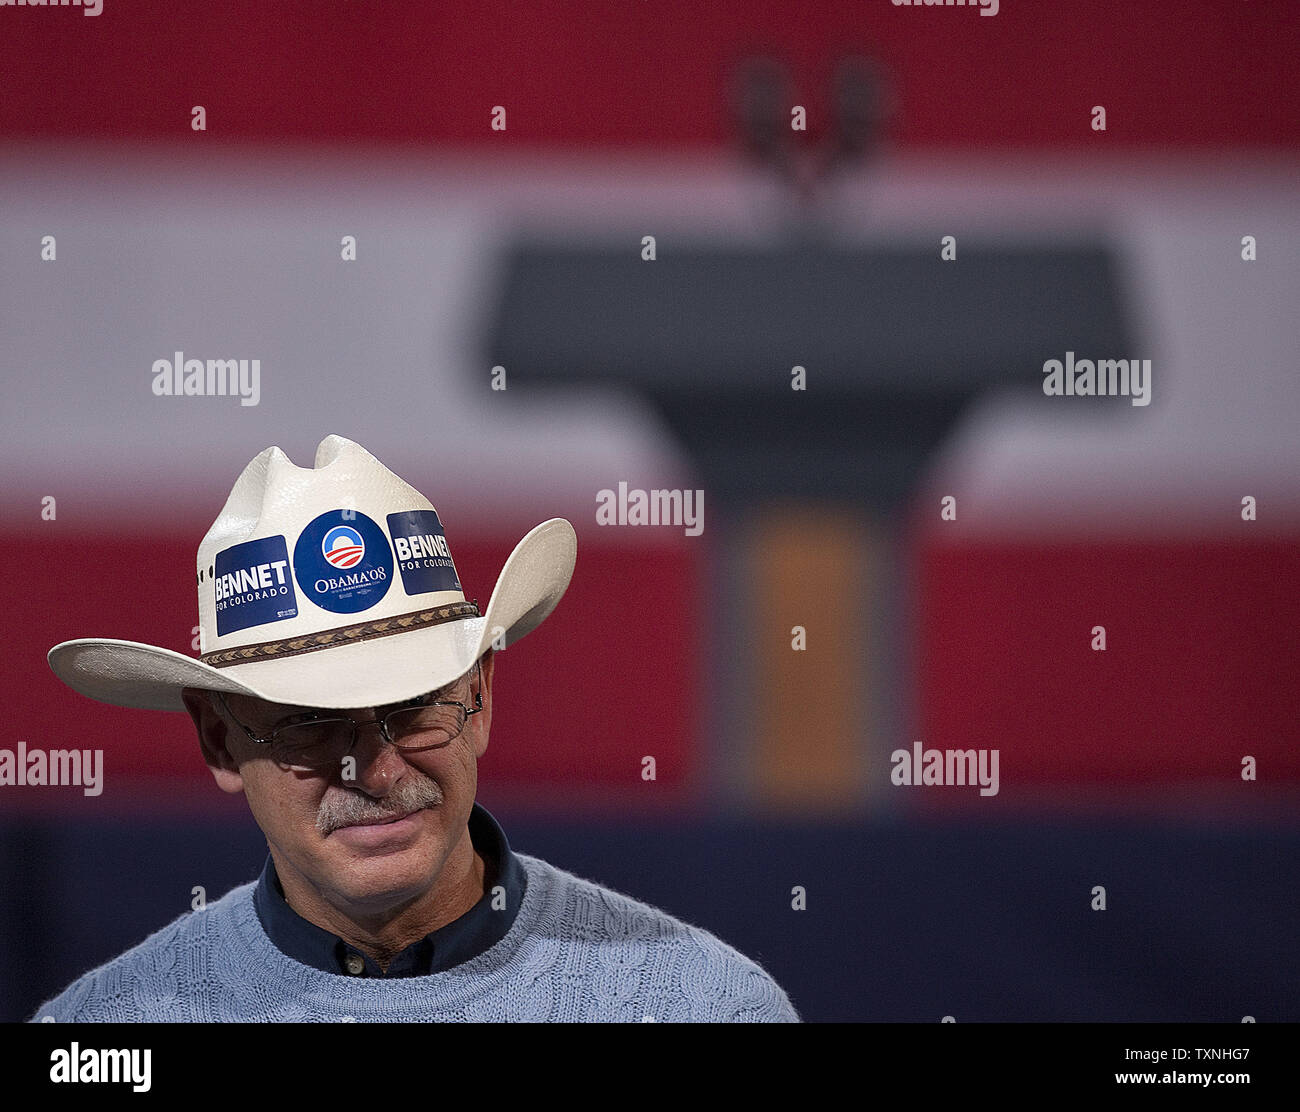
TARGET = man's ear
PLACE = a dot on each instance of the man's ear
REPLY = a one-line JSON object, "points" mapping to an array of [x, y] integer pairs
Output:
{"points": [[214, 736], [483, 720]]}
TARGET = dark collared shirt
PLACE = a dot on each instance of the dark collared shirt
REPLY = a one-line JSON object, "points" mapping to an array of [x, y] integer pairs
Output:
{"points": [[480, 928]]}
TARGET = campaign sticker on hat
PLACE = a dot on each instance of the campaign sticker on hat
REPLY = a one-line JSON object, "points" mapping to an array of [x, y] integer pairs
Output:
{"points": [[422, 553], [252, 585], [343, 562]]}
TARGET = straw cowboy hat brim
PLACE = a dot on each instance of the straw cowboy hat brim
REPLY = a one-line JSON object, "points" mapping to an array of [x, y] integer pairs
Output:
{"points": [[404, 647]]}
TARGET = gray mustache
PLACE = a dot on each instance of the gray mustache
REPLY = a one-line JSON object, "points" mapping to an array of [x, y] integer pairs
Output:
{"points": [[347, 808]]}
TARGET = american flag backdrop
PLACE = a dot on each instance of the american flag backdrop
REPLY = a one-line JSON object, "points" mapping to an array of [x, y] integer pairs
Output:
{"points": [[539, 258]]}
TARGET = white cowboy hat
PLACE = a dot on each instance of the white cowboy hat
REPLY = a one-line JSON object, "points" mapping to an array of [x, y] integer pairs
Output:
{"points": [[328, 587]]}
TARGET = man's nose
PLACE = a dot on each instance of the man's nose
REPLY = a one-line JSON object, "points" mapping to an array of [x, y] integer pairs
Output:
{"points": [[378, 764]]}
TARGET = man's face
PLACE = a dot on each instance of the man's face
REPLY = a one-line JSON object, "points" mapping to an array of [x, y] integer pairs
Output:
{"points": [[366, 835]]}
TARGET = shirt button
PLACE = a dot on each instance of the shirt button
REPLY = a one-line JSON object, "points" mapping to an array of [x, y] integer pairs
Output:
{"points": [[355, 964]]}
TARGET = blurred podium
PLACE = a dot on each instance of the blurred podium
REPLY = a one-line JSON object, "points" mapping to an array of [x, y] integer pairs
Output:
{"points": [[806, 488]]}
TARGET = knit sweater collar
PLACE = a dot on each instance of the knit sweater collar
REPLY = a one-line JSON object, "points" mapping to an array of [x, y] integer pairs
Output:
{"points": [[265, 974]]}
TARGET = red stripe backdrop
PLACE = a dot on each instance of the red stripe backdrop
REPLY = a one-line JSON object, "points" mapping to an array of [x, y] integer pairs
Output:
{"points": [[1200, 667], [624, 626], [575, 73]]}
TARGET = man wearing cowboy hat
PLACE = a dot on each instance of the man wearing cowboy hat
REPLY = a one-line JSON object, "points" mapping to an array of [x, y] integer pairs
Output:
{"points": [[344, 685]]}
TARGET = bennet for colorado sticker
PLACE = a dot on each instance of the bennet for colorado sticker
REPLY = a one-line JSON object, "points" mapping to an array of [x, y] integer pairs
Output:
{"points": [[422, 554], [342, 562], [250, 587]]}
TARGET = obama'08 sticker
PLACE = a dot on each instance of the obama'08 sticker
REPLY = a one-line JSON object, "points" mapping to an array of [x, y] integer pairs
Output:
{"points": [[343, 562]]}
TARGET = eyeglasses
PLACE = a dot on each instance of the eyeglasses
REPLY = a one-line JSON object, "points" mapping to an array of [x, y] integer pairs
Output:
{"points": [[308, 742]]}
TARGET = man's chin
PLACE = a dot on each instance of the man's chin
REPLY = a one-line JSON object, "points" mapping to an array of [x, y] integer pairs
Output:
{"points": [[379, 861]]}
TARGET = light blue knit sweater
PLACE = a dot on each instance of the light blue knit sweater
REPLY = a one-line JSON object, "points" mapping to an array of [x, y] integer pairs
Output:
{"points": [[576, 952]]}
